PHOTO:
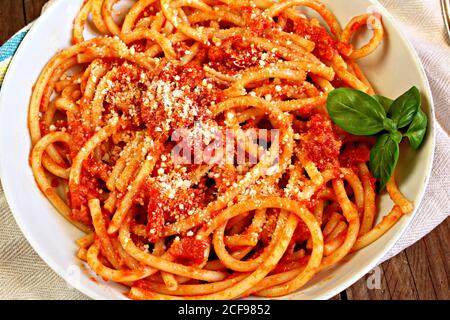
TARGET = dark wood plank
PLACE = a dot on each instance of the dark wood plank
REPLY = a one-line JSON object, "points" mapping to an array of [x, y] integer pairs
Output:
{"points": [[33, 9], [444, 235], [438, 260], [424, 279], [11, 18], [399, 278], [420, 270], [372, 286]]}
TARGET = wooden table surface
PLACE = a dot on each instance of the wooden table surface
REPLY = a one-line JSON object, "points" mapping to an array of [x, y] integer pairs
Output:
{"points": [[420, 272]]}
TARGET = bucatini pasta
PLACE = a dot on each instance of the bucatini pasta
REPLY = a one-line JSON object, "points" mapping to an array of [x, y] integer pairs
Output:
{"points": [[274, 192]]}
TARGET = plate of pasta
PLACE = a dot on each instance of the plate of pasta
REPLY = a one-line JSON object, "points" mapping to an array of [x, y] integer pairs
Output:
{"points": [[215, 149]]}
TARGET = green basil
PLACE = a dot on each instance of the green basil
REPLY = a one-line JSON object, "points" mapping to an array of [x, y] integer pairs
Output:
{"points": [[385, 102], [356, 112], [417, 130], [360, 114], [383, 159], [389, 125], [404, 108], [396, 136]]}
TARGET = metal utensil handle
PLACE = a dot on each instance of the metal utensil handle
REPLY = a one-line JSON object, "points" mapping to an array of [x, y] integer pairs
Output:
{"points": [[446, 12]]}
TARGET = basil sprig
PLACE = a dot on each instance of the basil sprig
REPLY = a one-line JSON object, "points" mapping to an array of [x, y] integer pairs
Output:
{"points": [[417, 129], [404, 108], [385, 102], [356, 112], [384, 158], [361, 114]]}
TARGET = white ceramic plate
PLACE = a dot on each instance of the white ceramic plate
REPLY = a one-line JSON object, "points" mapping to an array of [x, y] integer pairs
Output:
{"points": [[393, 69]]}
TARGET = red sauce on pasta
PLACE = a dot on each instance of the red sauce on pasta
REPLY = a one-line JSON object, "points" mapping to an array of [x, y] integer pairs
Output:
{"points": [[352, 156], [320, 143], [189, 251], [325, 45], [257, 22], [235, 53]]}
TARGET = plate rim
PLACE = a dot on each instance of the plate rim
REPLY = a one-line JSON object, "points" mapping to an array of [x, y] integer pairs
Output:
{"points": [[324, 296]]}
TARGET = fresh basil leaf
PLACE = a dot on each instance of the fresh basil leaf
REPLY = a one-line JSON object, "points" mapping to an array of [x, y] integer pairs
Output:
{"points": [[385, 102], [383, 159], [389, 125], [355, 111], [404, 108], [417, 130], [396, 136]]}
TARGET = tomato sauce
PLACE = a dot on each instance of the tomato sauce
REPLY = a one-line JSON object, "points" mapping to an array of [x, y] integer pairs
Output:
{"points": [[352, 156], [139, 45], [43, 127], [339, 83], [124, 93], [325, 45], [149, 11], [189, 251], [97, 169], [55, 183], [256, 21], [142, 284], [177, 97], [156, 215], [287, 264], [163, 209], [82, 215], [79, 197], [79, 133], [320, 143], [270, 225], [301, 233], [235, 54], [181, 49]]}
